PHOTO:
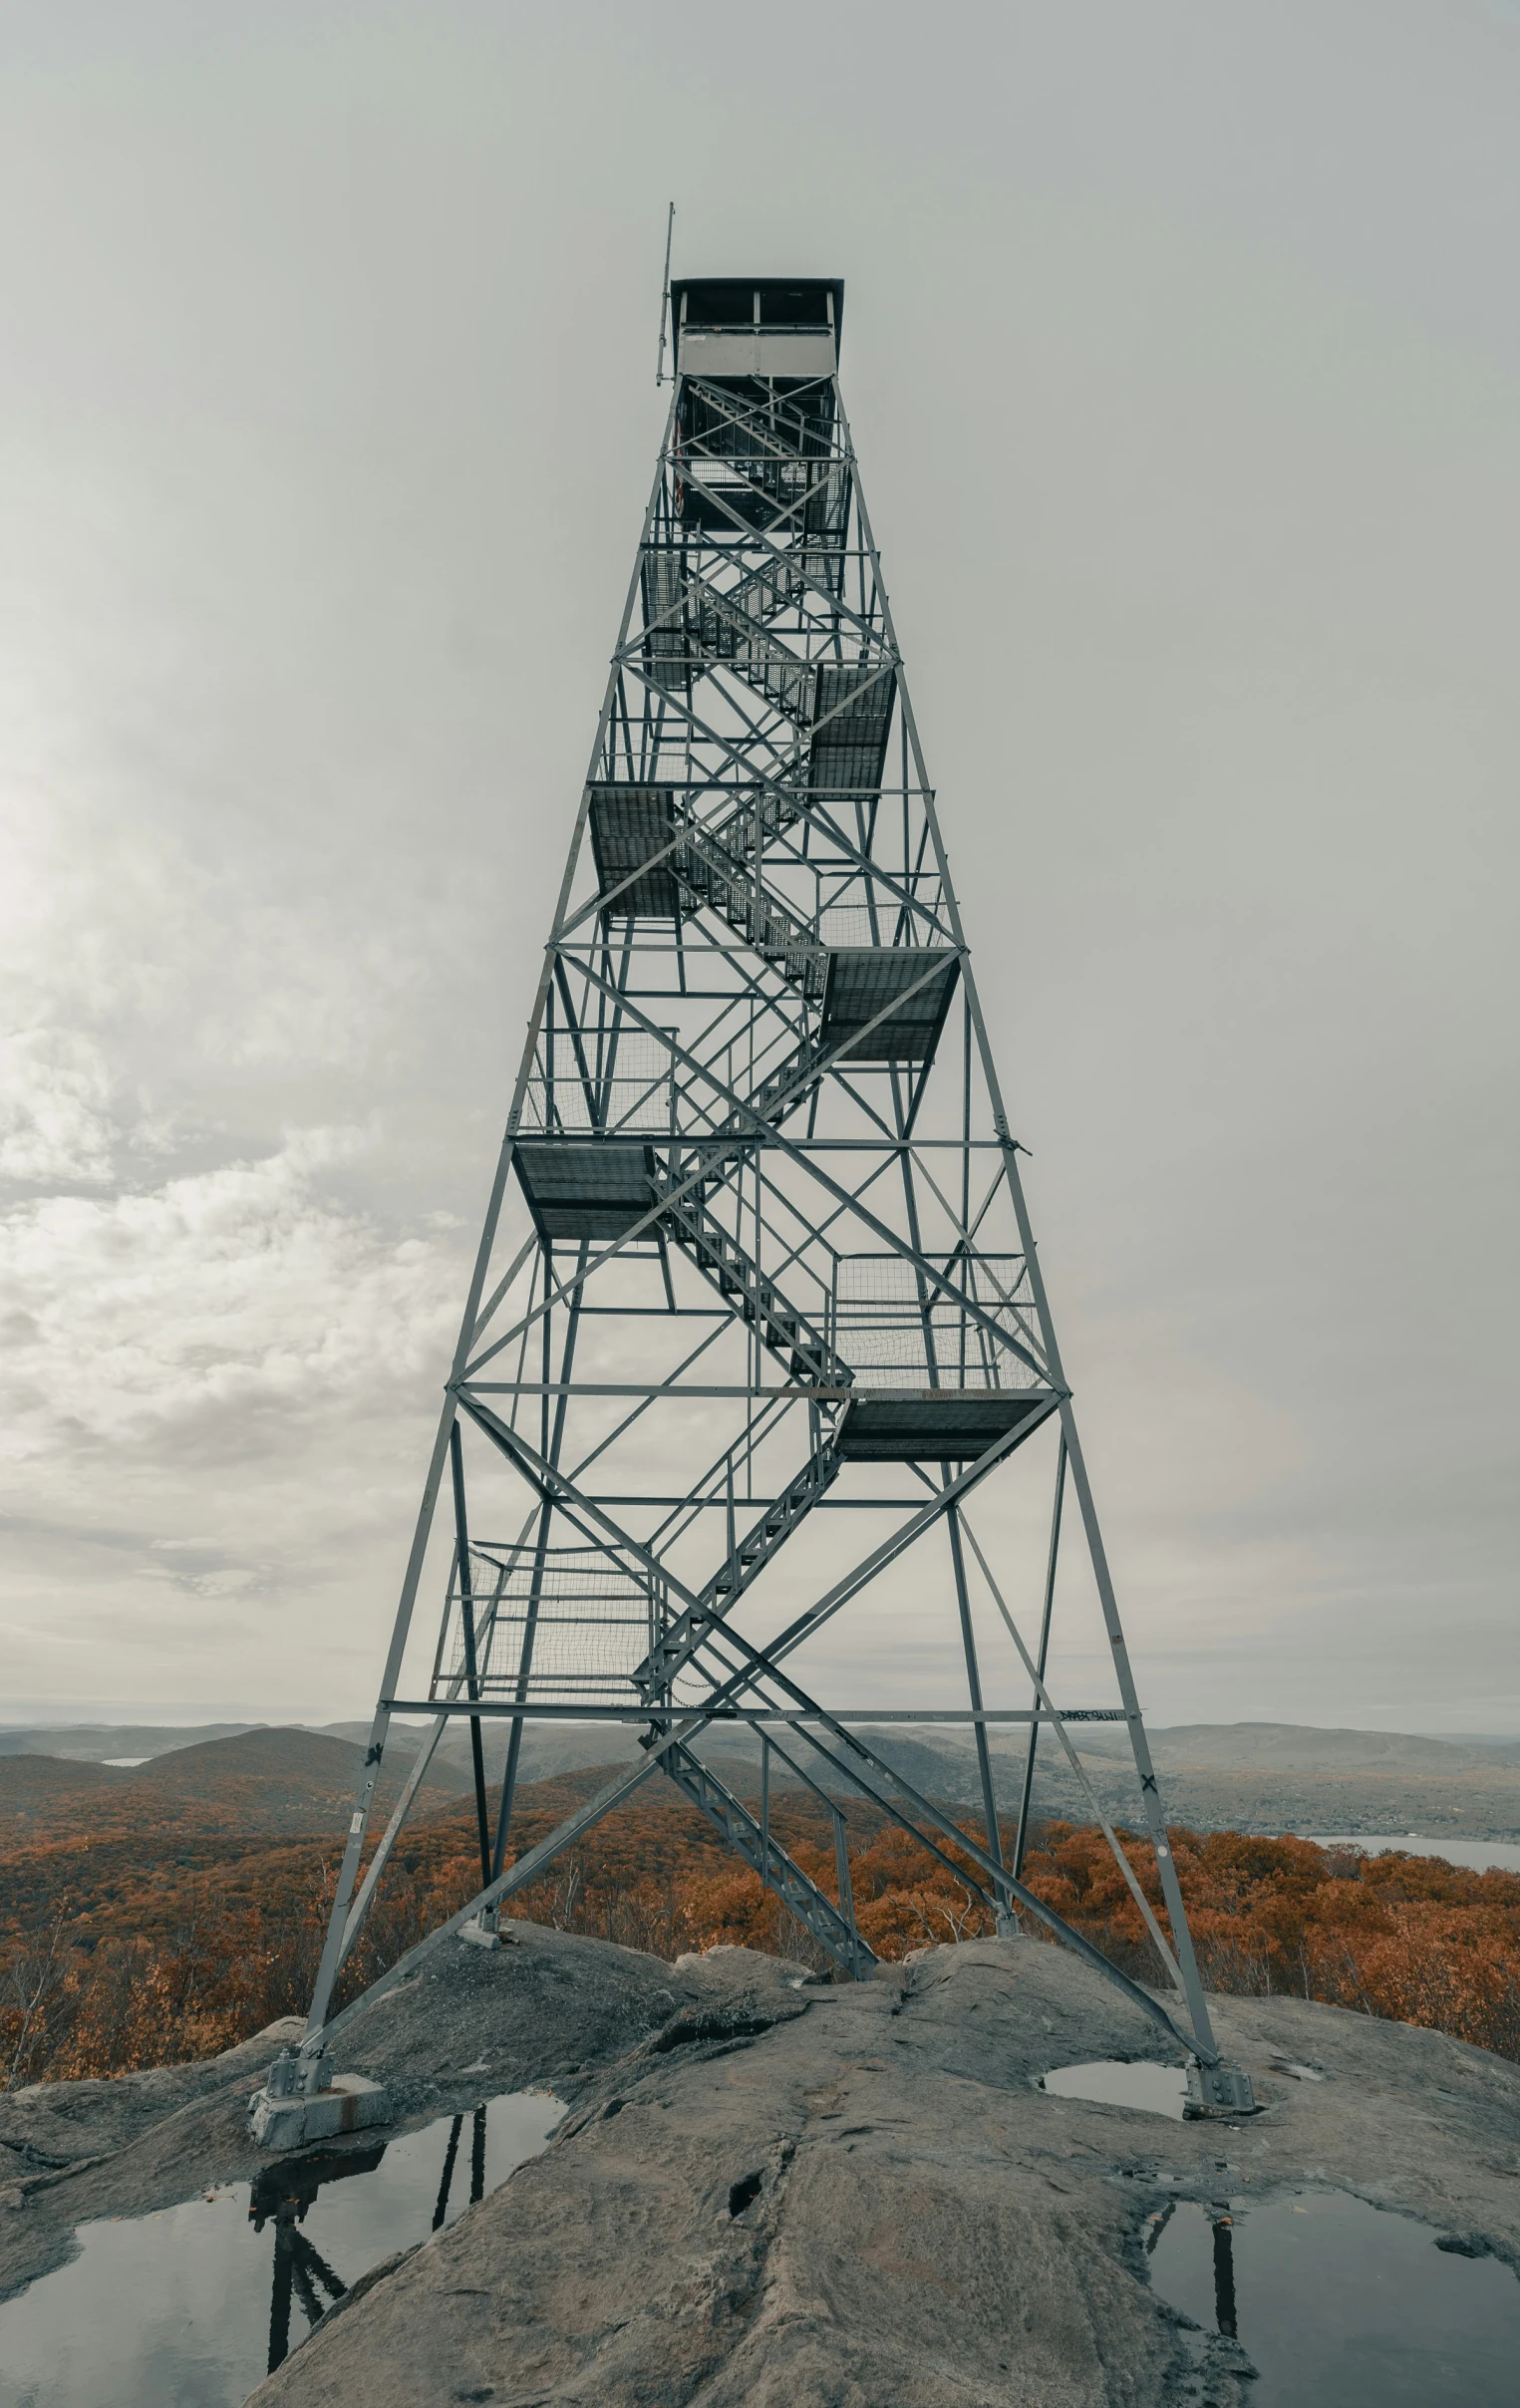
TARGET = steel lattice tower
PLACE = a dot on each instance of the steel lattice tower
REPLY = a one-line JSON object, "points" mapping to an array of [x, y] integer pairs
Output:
{"points": [[757, 1274]]}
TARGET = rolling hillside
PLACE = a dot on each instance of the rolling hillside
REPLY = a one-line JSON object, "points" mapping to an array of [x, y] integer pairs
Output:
{"points": [[261, 1783], [1249, 1776]]}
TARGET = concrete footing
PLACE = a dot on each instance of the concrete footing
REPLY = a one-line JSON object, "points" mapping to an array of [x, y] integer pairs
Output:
{"points": [[283, 2118]]}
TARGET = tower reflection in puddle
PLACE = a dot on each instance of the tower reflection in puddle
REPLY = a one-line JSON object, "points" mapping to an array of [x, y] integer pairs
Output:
{"points": [[282, 2193]]}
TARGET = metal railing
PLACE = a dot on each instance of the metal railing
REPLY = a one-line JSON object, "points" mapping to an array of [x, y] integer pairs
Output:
{"points": [[896, 1329]]}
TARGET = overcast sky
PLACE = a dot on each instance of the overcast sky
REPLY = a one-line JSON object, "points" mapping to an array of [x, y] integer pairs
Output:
{"points": [[1182, 354]]}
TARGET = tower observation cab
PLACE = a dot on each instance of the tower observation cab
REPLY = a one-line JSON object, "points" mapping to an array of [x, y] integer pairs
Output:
{"points": [[756, 1297], [766, 328]]}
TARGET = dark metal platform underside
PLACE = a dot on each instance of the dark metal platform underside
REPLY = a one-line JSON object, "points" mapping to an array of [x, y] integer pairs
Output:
{"points": [[934, 1425]]}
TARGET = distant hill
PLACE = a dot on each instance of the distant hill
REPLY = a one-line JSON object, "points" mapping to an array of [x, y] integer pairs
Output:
{"points": [[97, 1743], [40, 1787], [548, 1749], [1298, 1748], [290, 1771], [264, 1781]]}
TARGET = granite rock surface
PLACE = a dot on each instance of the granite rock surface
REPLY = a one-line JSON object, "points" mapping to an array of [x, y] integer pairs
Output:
{"points": [[773, 2190]]}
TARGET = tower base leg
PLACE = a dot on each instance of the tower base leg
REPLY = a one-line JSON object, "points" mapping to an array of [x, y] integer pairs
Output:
{"points": [[484, 1930], [1222, 2090], [301, 2101]]}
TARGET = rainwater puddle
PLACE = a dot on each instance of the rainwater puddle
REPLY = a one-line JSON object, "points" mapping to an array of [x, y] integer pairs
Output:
{"points": [[1342, 2306], [192, 2306], [1159, 2089]]}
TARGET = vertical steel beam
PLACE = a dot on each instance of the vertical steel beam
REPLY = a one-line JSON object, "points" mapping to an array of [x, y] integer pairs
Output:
{"points": [[973, 1688], [846, 1890], [445, 2182], [531, 1619], [1021, 1837], [468, 1618]]}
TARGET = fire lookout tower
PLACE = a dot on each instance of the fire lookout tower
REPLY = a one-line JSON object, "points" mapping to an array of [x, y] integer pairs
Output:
{"points": [[757, 1313]]}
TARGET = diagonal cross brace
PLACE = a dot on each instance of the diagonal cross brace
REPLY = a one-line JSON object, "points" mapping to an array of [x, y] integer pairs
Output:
{"points": [[516, 1876], [555, 1488], [856, 1761], [849, 1756], [761, 1665]]}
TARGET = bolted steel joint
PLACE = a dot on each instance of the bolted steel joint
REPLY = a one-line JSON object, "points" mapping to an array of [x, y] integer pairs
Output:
{"points": [[1217, 2089], [281, 2083]]}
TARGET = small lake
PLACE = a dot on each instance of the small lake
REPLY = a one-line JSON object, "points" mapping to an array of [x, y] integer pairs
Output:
{"points": [[1339, 2305], [191, 2307], [1479, 1856]]}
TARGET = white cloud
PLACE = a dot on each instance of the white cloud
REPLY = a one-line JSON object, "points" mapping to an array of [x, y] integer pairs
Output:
{"points": [[211, 1299], [317, 987], [232, 1581], [55, 1116]]}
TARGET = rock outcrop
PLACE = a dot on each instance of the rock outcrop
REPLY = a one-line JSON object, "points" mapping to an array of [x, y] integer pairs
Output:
{"points": [[770, 2191]]}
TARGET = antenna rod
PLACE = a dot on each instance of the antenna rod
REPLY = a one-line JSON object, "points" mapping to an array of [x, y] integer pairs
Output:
{"points": [[669, 227]]}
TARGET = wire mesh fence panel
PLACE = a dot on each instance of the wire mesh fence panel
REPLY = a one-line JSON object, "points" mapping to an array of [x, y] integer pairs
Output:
{"points": [[582, 1082], [887, 923], [567, 1625], [896, 1328]]}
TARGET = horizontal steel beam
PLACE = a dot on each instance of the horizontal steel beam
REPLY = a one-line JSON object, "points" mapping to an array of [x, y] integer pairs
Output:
{"points": [[513, 1712], [742, 1497], [800, 1395]]}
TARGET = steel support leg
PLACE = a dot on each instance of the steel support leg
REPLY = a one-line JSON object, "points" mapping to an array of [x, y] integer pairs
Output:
{"points": [[530, 1623], [1150, 1794], [472, 1668], [974, 1685], [1021, 1837]]}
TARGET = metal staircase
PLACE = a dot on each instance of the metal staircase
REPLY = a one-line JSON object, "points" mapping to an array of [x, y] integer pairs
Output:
{"points": [[753, 1552], [782, 1091], [764, 1855], [753, 1297], [730, 885], [730, 630]]}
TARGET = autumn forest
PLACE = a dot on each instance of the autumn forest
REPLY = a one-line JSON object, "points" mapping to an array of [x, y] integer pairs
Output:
{"points": [[154, 1923]]}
